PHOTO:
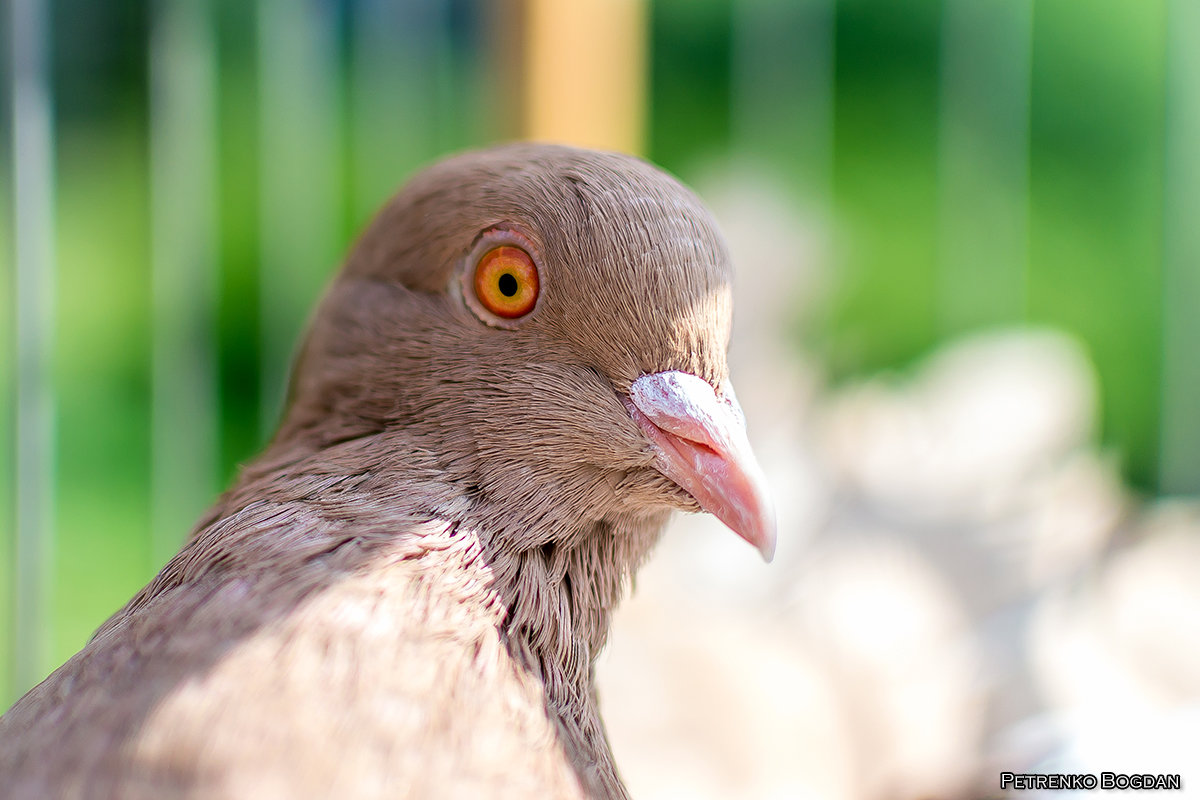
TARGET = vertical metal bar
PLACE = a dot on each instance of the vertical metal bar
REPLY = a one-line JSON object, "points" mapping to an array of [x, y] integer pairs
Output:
{"points": [[585, 72], [782, 75], [984, 161], [183, 240], [393, 73], [1180, 427], [33, 235], [299, 190], [8, 378]]}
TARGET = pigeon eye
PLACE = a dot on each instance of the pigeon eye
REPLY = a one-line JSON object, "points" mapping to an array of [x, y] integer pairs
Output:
{"points": [[506, 282]]}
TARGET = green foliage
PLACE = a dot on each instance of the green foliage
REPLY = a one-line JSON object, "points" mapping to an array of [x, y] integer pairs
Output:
{"points": [[1095, 182]]}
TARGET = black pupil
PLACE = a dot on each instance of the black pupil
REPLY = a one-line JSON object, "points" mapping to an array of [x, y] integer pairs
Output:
{"points": [[508, 284]]}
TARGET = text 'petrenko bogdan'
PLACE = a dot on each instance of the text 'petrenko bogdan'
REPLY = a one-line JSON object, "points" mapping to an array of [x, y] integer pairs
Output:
{"points": [[1026, 781]]}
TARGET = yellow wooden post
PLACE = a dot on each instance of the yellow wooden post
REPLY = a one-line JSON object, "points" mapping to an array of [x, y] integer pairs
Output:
{"points": [[584, 73]]}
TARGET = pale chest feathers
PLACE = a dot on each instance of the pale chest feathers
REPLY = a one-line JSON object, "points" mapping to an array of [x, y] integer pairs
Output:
{"points": [[405, 648], [484, 658]]}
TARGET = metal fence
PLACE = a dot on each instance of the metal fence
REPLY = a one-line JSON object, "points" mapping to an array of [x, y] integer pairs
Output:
{"points": [[269, 132]]}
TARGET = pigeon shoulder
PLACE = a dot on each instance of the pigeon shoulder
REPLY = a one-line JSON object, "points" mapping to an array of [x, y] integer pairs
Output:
{"points": [[363, 662]]}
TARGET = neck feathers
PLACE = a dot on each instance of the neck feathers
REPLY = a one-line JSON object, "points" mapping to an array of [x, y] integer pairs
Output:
{"points": [[560, 599]]}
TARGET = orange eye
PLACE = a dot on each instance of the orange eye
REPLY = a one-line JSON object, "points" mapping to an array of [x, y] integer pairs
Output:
{"points": [[506, 282]]}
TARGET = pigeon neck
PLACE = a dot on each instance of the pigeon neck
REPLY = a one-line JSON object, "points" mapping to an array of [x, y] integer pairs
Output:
{"points": [[560, 598]]}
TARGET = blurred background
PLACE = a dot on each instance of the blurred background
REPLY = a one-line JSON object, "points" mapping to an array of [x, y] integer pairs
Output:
{"points": [[968, 242]]}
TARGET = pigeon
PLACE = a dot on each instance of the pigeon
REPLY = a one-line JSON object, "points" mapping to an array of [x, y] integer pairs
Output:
{"points": [[517, 376]]}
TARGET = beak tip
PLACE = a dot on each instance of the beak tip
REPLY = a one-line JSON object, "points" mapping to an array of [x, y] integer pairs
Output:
{"points": [[759, 523], [766, 540], [768, 551]]}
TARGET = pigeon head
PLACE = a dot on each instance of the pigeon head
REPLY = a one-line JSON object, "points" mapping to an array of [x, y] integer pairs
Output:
{"points": [[546, 329]]}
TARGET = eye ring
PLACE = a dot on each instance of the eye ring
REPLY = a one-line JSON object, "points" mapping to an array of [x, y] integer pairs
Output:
{"points": [[501, 281]]}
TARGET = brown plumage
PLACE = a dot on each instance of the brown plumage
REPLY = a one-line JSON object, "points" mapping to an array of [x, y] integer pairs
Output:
{"points": [[404, 595]]}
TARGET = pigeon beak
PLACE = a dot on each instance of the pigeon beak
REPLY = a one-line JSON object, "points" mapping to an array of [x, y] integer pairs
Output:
{"points": [[700, 443]]}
